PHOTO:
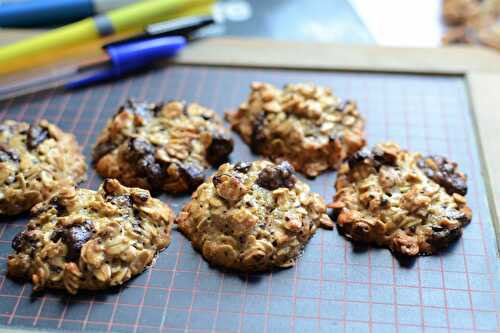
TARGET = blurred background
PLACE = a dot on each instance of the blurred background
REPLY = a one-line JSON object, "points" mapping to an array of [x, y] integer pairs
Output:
{"points": [[382, 22], [66, 34]]}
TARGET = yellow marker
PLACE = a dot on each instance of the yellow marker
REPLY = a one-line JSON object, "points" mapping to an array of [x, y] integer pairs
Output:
{"points": [[129, 18]]}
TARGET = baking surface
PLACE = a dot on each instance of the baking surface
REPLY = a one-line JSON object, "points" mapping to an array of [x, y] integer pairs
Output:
{"points": [[335, 287]]}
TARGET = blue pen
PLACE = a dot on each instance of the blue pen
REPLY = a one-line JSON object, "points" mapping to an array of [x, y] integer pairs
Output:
{"points": [[121, 60], [37, 13]]}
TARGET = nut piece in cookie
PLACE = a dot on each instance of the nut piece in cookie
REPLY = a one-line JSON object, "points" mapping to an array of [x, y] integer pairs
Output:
{"points": [[401, 200], [36, 161], [303, 123], [161, 147], [252, 216], [82, 239]]}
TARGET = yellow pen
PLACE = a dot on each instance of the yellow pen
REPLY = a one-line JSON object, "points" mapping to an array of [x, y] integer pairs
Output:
{"points": [[132, 17]]}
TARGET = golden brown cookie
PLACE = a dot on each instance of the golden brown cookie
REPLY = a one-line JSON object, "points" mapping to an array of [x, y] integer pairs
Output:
{"points": [[82, 239], [401, 200], [252, 216], [472, 22], [303, 124], [35, 161], [161, 146]]}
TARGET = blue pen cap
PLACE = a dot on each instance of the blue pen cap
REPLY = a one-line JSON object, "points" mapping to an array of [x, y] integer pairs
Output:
{"points": [[130, 57]]}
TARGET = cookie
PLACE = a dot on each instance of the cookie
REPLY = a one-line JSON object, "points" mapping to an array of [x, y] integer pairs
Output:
{"points": [[252, 216], [82, 239], [472, 22], [35, 161], [303, 124], [161, 147], [410, 203]]}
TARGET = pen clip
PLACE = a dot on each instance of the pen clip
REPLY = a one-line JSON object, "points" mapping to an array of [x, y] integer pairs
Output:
{"points": [[129, 57], [184, 27]]}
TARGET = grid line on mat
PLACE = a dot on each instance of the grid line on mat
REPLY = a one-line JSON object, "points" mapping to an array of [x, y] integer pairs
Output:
{"points": [[334, 287]]}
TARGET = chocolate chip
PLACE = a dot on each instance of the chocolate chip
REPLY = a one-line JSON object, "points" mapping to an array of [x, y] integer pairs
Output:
{"points": [[153, 170], [242, 167], [258, 137], [17, 242], [24, 241], [35, 136], [102, 149], [273, 177], [457, 215], [193, 175], [446, 175], [58, 205], [383, 157], [335, 213], [143, 109], [216, 180], [8, 155], [74, 237], [138, 148], [123, 200], [359, 157], [220, 148], [442, 236]]}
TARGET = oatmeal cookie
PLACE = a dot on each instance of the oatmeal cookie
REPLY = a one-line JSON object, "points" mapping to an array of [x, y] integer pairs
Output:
{"points": [[161, 146], [410, 203], [82, 239], [35, 161], [303, 123], [252, 216], [472, 22]]}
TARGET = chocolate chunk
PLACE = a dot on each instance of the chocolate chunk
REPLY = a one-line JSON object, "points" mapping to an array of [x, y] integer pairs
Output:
{"points": [[258, 137], [383, 157], [17, 242], [242, 167], [123, 200], [219, 149], [193, 175], [74, 237], [216, 180], [8, 155], [102, 149], [138, 148], [457, 215], [143, 109], [442, 237], [446, 175], [153, 170], [274, 177], [142, 152], [58, 205], [359, 157], [35, 136], [24, 241]]}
